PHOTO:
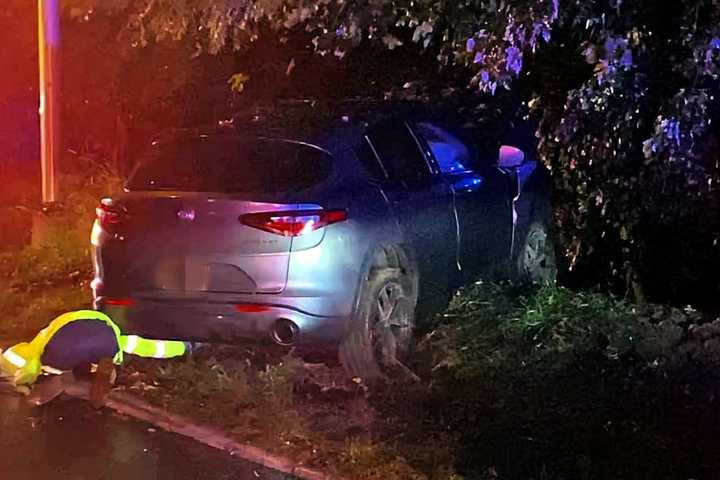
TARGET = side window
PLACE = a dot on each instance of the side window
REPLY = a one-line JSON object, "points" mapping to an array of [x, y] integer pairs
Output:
{"points": [[452, 155], [400, 155]]}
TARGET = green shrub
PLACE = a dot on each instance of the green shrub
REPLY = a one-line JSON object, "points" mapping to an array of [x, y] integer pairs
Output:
{"points": [[63, 258], [560, 384]]}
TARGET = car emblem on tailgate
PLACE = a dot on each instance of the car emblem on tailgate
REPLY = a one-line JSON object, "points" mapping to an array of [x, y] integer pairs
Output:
{"points": [[186, 215]]}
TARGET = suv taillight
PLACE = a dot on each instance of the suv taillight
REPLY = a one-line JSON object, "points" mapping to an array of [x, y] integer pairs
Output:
{"points": [[293, 223], [109, 215]]}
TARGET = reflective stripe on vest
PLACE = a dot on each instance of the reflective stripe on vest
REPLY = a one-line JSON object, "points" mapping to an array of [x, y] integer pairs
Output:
{"points": [[131, 343], [149, 348], [14, 358], [159, 350], [51, 370]]}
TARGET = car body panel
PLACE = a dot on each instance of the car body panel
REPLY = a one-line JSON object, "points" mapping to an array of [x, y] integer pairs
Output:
{"points": [[483, 205], [170, 243], [429, 230]]}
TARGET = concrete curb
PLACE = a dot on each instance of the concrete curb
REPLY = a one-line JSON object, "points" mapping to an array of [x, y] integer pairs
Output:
{"points": [[135, 407]]}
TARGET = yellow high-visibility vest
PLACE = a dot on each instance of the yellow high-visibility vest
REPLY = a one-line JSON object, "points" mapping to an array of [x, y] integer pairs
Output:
{"points": [[22, 362]]}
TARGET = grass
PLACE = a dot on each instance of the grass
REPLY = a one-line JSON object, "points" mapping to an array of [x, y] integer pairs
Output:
{"points": [[374, 461]]}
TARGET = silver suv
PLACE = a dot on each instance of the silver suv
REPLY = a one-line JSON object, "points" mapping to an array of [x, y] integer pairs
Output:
{"points": [[326, 240]]}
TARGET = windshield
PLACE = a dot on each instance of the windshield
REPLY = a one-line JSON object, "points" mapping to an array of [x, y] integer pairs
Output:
{"points": [[231, 165]]}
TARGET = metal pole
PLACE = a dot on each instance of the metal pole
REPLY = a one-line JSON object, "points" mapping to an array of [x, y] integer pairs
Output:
{"points": [[48, 50]]}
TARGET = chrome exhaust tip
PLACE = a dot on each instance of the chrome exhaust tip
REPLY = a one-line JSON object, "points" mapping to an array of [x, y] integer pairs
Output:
{"points": [[284, 332]]}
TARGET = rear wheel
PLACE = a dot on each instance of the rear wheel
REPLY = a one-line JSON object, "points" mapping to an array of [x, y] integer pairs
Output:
{"points": [[379, 340]]}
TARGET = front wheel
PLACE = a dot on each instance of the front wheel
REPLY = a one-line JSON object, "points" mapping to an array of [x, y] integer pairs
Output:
{"points": [[379, 339], [535, 262]]}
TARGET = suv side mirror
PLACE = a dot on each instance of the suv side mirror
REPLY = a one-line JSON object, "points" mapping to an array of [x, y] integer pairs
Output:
{"points": [[510, 157]]}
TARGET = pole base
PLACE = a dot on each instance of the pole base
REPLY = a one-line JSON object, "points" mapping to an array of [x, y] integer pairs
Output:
{"points": [[42, 223]]}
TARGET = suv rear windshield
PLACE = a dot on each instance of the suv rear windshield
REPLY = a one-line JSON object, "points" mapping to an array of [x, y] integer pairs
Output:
{"points": [[225, 165]]}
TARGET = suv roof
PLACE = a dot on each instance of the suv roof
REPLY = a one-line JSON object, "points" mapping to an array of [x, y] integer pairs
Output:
{"points": [[331, 127]]}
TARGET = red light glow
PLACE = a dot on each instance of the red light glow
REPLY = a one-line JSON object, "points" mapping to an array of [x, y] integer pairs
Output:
{"points": [[120, 302], [251, 308]]}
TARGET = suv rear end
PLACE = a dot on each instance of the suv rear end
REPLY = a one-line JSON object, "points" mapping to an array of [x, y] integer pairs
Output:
{"points": [[220, 237]]}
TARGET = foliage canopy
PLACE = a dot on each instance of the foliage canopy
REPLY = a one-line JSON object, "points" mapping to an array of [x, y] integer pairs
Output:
{"points": [[627, 92]]}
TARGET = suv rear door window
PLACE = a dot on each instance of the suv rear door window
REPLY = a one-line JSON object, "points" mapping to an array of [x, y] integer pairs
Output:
{"points": [[227, 165], [400, 154]]}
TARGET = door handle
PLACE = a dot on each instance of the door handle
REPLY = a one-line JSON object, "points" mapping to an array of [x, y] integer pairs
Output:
{"points": [[468, 185]]}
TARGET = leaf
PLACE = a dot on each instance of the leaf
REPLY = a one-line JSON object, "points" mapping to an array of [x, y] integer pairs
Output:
{"points": [[237, 82], [391, 41], [470, 45], [290, 67], [422, 31], [269, 7]]}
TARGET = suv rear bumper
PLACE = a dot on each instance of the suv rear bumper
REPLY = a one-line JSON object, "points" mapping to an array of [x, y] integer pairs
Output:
{"points": [[223, 323]]}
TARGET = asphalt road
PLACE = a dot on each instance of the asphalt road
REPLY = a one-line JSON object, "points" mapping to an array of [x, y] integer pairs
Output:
{"points": [[68, 440]]}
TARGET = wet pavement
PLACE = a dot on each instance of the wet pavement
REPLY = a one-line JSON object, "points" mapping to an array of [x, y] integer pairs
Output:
{"points": [[68, 440]]}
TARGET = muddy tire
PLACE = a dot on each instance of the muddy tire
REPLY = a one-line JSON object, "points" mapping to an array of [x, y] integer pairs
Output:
{"points": [[380, 336]]}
